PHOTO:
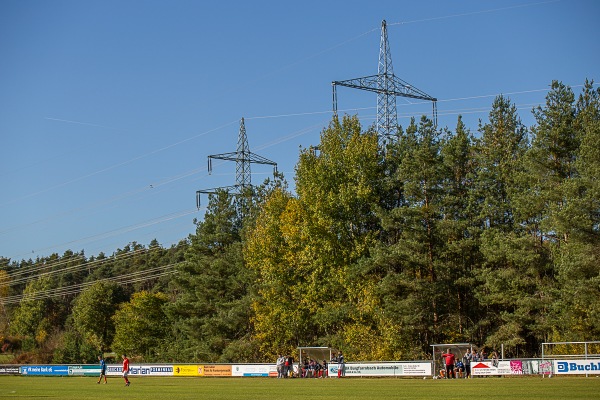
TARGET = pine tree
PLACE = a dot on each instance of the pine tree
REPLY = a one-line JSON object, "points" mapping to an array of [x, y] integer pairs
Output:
{"points": [[212, 308], [506, 277], [576, 217]]}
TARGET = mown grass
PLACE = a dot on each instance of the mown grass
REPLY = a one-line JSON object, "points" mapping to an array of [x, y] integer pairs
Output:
{"points": [[177, 388]]}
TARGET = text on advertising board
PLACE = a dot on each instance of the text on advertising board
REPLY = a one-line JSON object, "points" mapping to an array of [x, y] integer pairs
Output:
{"points": [[577, 367]]}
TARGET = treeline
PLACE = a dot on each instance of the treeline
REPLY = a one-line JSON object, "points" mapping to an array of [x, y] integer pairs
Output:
{"points": [[449, 235]]}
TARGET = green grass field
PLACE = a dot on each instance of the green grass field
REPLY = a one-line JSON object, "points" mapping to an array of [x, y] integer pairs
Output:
{"points": [[171, 388]]}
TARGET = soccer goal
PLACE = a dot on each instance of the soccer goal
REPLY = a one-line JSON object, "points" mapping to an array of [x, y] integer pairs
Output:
{"points": [[576, 350], [316, 353], [458, 349]]}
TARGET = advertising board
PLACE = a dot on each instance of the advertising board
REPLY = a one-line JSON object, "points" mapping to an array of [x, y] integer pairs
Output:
{"points": [[254, 370], [44, 370], [511, 367], [383, 369], [114, 370], [217, 370], [488, 368], [84, 370], [140, 370], [9, 370], [188, 370], [151, 370], [201, 370], [577, 367]]}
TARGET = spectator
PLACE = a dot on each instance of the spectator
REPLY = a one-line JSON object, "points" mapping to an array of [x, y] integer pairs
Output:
{"points": [[341, 365], [290, 366], [312, 368], [495, 358], [459, 369], [482, 355], [280, 364], [467, 361]]}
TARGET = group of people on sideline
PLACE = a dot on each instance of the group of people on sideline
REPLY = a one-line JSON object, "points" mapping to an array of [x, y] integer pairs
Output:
{"points": [[461, 368], [313, 369], [285, 366], [309, 368]]}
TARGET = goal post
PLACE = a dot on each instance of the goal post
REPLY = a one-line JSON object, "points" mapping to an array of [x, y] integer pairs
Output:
{"points": [[577, 350], [316, 353], [459, 350], [571, 350]]}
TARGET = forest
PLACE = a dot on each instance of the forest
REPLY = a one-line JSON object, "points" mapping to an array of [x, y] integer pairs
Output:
{"points": [[487, 235]]}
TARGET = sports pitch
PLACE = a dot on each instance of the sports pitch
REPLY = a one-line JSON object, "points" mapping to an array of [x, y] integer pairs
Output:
{"points": [[81, 388]]}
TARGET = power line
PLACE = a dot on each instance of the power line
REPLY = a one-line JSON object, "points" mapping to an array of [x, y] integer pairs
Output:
{"points": [[263, 77], [295, 134], [125, 279], [122, 230], [170, 180], [473, 13], [146, 188], [24, 275], [173, 216], [195, 171], [114, 166]]}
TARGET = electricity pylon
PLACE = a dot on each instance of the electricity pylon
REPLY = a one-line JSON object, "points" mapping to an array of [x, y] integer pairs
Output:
{"points": [[387, 86], [243, 157]]}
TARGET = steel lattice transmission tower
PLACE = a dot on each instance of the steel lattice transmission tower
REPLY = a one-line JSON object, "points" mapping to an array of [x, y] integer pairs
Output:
{"points": [[387, 86], [243, 157]]}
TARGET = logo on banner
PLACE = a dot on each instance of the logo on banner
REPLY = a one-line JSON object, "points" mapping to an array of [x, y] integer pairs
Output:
{"points": [[572, 367]]}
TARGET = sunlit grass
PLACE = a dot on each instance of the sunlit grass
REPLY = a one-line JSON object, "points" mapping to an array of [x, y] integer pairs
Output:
{"points": [[164, 388]]}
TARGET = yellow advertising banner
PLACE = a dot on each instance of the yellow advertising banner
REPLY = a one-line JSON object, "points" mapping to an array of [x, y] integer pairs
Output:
{"points": [[201, 370], [188, 370], [217, 370]]}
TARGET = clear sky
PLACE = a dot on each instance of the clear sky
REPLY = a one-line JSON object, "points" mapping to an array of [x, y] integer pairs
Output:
{"points": [[109, 109]]}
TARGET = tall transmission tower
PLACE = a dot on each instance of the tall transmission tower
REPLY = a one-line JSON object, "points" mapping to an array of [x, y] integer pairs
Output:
{"points": [[243, 157], [387, 86]]}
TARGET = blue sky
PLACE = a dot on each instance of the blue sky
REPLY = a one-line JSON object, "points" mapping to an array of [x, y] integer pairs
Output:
{"points": [[109, 109]]}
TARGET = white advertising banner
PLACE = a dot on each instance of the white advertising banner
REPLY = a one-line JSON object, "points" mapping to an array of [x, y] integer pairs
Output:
{"points": [[486, 368], [577, 367], [254, 370], [383, 369], [511, 367], [143, 370]]}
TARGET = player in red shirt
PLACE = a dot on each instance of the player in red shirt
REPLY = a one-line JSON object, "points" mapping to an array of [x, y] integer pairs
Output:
{"points": [[125, 369], [450, 358]]}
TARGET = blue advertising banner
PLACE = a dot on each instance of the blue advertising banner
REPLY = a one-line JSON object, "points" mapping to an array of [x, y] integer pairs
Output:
{"points": [[45, 370]]}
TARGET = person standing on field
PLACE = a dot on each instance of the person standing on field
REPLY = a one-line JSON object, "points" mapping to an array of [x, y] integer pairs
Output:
{"points": [[280, 366], [126, 369], [102, 369], [289, 362], [450, 359], [341, 365], [467, 361]]}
